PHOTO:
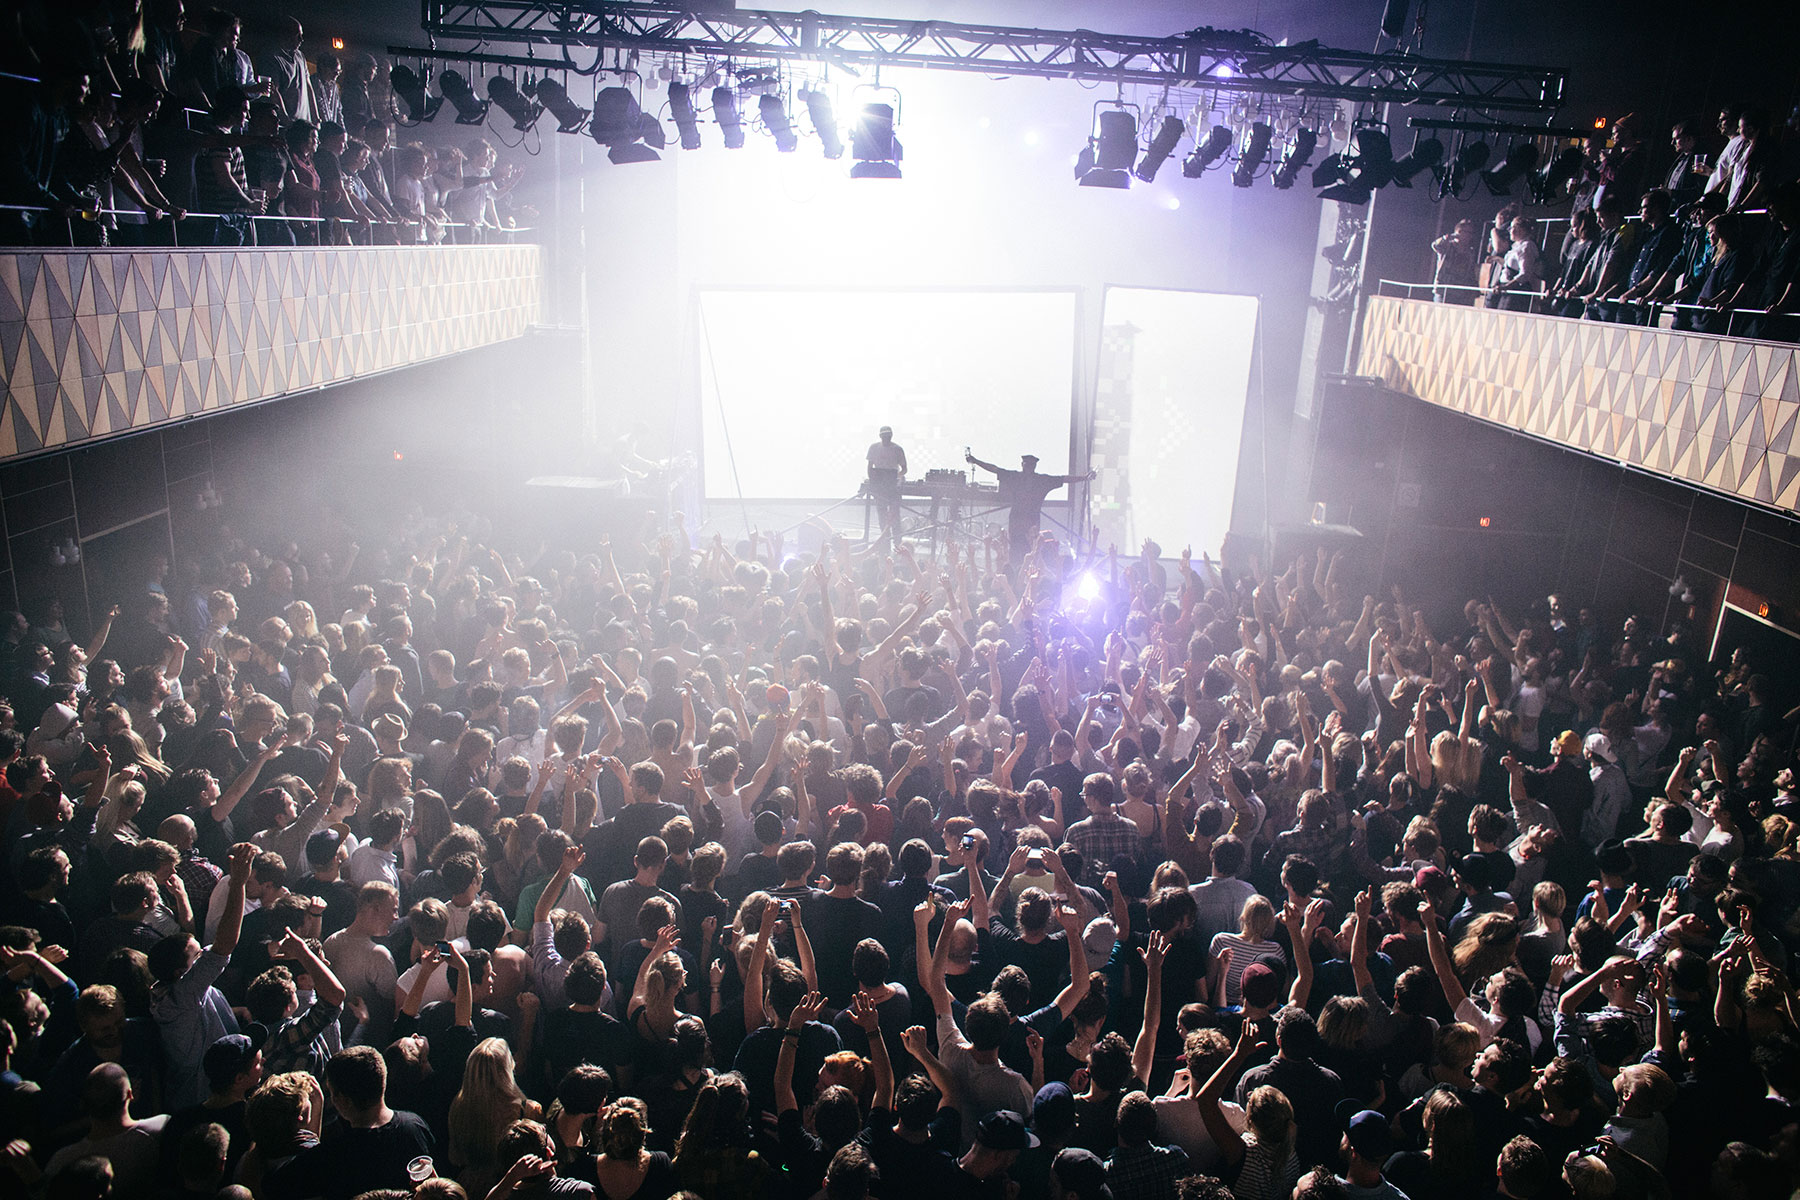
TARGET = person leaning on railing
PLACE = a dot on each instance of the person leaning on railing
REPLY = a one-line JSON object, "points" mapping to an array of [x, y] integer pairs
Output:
{"points": [[1458, 257], [1771, 294], [1659, 241], [1578, 246]]}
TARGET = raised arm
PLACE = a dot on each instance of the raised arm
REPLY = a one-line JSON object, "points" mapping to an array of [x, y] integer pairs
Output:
{"points": [[868, 1019], [572, 859], [914, 1041], [666, 937], [232, 922], [1079, 982], [803, 947], [1224, 1135], [1143, 1051], [1454, 992], [326, 986], [807, 1009], [755, 1015], [1359, 941]]}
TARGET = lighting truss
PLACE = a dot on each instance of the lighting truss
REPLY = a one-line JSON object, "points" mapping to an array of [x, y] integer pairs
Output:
{"points": [[1232, 61]]}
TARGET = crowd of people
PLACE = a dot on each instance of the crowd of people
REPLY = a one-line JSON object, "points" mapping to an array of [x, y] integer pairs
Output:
{"points": [[663, 869], [148, 125], [1709, 240]]}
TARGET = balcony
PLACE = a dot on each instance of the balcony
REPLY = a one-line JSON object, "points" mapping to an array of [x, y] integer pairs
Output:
{"points": [[1712, 412], [97, 343]]}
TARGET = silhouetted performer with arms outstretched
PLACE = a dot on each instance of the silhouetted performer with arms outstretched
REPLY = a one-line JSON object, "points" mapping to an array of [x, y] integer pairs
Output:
{"points": [[1024, 491]]}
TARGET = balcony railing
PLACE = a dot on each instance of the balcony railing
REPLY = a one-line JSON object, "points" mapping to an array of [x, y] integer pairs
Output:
{"points": [[1714, 412], [96, 343]]}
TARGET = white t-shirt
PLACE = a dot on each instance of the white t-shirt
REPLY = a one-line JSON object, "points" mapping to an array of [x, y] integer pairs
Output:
{"points": [[1178, 1123]]}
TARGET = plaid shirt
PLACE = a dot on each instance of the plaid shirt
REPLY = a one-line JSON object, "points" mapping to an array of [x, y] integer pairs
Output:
{"points": [[199, 877], [1102, 839], [1146, 1172], [301, 1044]]}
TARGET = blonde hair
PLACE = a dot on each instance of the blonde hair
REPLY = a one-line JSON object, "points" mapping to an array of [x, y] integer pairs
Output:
{"points": [[489, 1101], [1257, 918], [1454, 762], [666, 980], [1272, 1120]]}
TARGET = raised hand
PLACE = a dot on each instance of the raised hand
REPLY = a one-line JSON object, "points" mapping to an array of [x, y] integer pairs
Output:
{"points": [[572, 858], [913, 1038], [865, 1014], [242, 856], [807, 1010], [1155, 951]]}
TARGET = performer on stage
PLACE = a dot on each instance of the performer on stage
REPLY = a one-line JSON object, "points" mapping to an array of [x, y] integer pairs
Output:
{"points": [[887, 467], [1024, 491]]}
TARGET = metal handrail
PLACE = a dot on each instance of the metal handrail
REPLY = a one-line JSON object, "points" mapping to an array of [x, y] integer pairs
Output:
{"points": [[284, 218], [1655, 307]]}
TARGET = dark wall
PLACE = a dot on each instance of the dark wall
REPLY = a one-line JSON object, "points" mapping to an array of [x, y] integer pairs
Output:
{"points": [[459, 434], [1417, 481]]}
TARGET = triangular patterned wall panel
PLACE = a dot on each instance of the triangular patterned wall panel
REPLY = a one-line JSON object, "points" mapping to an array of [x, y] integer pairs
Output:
{"points": [[1716, 413], [95, 343]]}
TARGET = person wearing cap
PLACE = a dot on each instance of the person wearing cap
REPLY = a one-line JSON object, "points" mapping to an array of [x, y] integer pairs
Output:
{"points": [[326, 853], [981, 1172], [887, 467], [1612, 791], [1367, 1145], [1023, 492], [1078, 1174], [233, 1067]]}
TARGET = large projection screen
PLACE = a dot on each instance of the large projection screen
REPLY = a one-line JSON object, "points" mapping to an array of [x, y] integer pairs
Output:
{"points": [[1173, 380], [794, 384]]}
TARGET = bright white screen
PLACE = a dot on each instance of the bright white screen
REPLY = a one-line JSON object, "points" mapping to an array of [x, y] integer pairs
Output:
{"points": [[802, 380], [1174, 377]]}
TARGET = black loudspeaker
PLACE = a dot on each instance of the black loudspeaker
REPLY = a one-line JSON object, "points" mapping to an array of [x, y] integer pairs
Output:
{"points": [[1393, 19]]}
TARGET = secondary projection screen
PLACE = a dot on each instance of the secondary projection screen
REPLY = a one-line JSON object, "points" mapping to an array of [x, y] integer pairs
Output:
{"points": [[795, 384], [1174, 377]]}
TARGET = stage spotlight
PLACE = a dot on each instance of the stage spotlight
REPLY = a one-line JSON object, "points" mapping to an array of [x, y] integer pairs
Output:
{"points": [[681, 108], [505, 93], [619, 126], [1299, 153], [1359, 175], [652, 131], [1256, 152], [1206, 153], [1374, 156], [411, 90], [1546, 185], [725, 112], [824, 119], [570, 116], [1160, 147], [1115, 150], [470, 108], [1471, 158], [1427, 153], [775, 119], [1520, 158], [872, 143]]}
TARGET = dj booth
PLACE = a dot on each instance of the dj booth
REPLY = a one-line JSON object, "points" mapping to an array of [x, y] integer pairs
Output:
{"points": [[942, 502]]}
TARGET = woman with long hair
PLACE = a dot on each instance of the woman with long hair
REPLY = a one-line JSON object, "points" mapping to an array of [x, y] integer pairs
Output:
{"points": [[489, 1101], [714, 1156], [1450, 1165], [1490, 942], [670, 1095], [312, 676], [624, 1169], [651, 1013]]}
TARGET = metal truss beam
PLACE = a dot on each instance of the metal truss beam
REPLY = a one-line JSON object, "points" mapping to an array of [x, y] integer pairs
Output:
{"points": [[1240, 62]]}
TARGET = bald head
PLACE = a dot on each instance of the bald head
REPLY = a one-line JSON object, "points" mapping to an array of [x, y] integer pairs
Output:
{"points": [[178, 831]]}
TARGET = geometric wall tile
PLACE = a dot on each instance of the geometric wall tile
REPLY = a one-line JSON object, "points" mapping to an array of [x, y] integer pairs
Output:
{"points": [[95, 343], [1711, 412]]}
